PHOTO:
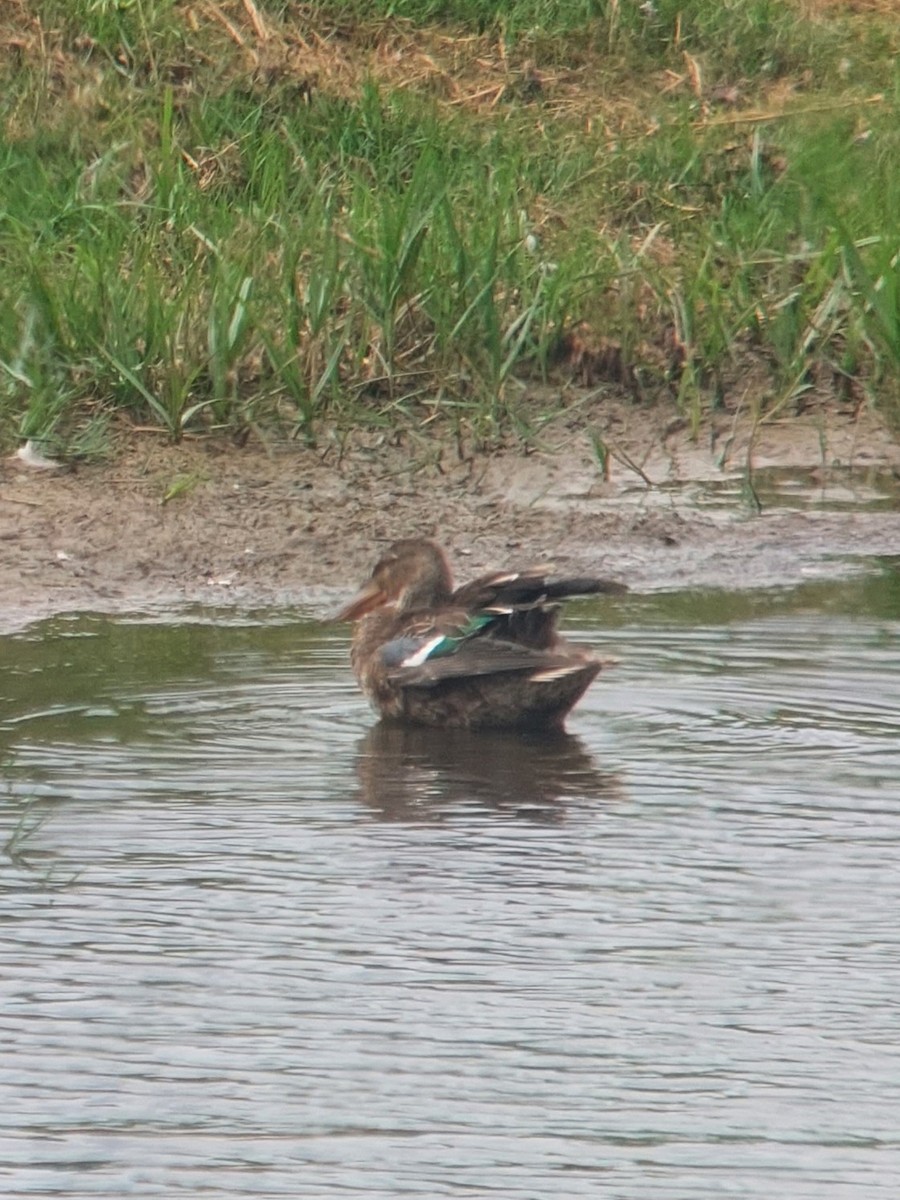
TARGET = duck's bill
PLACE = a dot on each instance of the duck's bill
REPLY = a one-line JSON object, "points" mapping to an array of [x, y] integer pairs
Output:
{"points": [[369, 598]]}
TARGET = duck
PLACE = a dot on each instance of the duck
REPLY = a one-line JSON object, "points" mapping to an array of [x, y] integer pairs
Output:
{"points": [[487, 655]]}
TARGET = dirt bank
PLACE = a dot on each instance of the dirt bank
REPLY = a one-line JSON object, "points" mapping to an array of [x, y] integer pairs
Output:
{"points": [[204, 521]]}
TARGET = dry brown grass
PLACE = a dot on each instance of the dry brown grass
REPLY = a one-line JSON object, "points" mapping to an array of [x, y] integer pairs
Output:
{"points": [[231, 41]]}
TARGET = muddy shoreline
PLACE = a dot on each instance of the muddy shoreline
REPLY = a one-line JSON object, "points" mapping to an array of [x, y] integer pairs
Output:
{"points": [[161, 526]]}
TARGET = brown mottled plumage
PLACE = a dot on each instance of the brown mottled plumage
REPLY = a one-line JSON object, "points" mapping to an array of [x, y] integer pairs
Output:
{"points": [[483, 656]]}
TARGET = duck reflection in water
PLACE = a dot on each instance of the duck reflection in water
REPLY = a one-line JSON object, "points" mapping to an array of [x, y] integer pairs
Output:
{"points": [[413, 773]]}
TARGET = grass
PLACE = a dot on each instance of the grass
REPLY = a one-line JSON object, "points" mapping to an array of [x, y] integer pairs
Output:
{"points": [[244, 215]]}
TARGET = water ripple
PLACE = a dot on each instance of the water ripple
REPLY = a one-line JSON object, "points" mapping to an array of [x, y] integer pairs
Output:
{"points": [[254, 945]]}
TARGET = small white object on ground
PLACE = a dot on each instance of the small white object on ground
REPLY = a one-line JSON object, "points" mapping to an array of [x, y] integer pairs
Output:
{"points": [[31, 457]]}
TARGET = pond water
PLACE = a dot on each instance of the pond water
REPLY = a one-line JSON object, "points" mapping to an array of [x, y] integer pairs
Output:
{"points": [[254, 944]]}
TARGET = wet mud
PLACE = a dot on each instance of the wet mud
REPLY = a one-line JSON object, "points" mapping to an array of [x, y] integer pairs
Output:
{"points": [[636, 496]]}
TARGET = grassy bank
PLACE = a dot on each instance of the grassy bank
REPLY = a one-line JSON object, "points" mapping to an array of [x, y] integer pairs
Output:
{"points": [[235, 214]]}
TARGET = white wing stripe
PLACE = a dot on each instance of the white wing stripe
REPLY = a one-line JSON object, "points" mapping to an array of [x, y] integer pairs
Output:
{"points": [[421, 655]]}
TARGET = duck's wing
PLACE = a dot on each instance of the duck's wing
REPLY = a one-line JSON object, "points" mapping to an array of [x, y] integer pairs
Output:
{"points": [[432, 636], [412, 661], [509, 590], [525, 605]]}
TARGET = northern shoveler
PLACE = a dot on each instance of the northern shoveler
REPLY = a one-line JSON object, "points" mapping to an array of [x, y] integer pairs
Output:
{"points": [[483, 656]]}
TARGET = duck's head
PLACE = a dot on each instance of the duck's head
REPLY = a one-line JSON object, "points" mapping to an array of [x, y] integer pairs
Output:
{"points": [[412, 574]]}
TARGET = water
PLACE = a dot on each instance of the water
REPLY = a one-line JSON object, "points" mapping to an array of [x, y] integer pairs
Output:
{"points": [[857, 489], [254, 945]]}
